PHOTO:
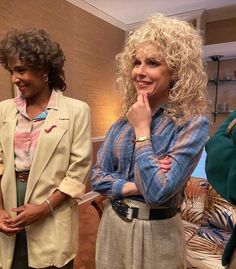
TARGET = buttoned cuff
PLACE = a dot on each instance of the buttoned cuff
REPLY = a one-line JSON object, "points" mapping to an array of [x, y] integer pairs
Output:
{"points": [[117, 189]]}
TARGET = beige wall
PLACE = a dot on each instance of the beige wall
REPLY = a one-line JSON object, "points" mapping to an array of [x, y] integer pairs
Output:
{"points": [[6, 90], [226, 88], [221, 31], [89, 43]]}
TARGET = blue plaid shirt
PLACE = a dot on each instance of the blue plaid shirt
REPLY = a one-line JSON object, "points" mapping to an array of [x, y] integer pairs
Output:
{"points": [[120, 160]]}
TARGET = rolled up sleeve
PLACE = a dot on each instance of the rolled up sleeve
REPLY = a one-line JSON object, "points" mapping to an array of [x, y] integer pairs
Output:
{"points": [[79, 170]]}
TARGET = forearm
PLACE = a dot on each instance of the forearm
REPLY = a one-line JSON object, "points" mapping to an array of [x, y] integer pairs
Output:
{"points": [[108, 184], [54, 201]]}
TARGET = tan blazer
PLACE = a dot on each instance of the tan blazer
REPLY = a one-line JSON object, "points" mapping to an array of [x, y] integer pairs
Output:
{"points": [[62, 160]]}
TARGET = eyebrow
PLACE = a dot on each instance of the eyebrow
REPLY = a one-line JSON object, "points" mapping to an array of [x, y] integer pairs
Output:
{"points": [[154, 56], [18, 68]]}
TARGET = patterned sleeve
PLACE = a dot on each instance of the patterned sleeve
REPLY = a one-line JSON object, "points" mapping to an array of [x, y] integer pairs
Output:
{"points": [[105, 179], [184, 150]]}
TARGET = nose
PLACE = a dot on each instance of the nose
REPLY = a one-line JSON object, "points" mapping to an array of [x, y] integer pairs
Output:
{"points": [[14, 79], [141, 70]]}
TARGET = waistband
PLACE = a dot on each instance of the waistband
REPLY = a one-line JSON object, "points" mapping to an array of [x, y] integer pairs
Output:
{"points": [[22, 176], [128, 209]]}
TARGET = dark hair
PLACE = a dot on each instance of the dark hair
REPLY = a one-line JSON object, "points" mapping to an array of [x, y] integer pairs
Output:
{"points": [[34, 48]]}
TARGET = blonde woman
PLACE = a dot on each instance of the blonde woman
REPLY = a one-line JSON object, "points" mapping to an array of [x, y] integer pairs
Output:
{"points": [[163, 125]]}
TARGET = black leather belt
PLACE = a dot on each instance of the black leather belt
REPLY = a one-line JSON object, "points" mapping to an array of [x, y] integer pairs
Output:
{"points": [[125, 211], [22, 176]]}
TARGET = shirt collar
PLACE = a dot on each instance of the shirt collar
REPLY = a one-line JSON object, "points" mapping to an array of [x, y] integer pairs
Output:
{"points": [[158, 112], [52, 103]]}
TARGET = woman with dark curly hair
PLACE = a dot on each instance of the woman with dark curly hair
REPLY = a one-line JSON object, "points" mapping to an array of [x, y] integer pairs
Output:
{"points": [[45, 156], [150, 152]]}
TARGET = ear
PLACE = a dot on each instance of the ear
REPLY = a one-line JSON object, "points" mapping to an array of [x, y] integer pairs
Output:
{"points": [[45, 77]]}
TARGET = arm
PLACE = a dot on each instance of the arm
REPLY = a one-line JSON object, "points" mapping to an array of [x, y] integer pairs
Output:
{"points": [[79, 170], [220, 161], [184, 151], [130, 188], [105, 178], [156, 184], [30, 213]]}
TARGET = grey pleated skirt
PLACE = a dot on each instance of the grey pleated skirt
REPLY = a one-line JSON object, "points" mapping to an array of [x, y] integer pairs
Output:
{"points": [[140, 244]]}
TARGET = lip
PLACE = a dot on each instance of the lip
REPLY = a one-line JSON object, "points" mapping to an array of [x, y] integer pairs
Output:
{"points": [[143, 83], [22, 88]]}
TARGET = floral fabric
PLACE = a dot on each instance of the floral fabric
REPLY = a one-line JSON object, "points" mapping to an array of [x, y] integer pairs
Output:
{"points": [[208, 221]]}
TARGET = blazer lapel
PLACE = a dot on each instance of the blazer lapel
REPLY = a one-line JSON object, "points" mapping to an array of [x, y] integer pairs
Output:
{"points": [[56, 125]]}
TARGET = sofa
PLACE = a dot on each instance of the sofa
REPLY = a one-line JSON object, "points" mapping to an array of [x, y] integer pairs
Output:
{"points": [[208, 221]]}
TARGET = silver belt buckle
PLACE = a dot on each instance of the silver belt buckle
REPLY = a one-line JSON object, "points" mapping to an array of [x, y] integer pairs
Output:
{"points": [[129, 215]]}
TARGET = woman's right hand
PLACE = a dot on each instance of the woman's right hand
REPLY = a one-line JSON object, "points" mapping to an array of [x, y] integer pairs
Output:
{"points": [[140, 116], [4, 226], [130, 188]]}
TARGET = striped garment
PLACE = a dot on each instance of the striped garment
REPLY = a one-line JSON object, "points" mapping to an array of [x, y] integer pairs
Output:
{"points": [[28, 131], [120, 160]]}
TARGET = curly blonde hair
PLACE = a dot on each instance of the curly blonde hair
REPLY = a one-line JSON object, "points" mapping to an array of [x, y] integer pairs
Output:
{"points": [[180, 45]]}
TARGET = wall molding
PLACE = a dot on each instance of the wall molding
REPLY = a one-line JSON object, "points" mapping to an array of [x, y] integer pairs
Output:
{"points": [[198, 15], [215, 14], [228, 50], [98, 13]]}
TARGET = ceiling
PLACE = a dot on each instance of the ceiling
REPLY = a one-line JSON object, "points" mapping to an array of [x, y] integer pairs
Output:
{"points": [[124, 12], [127, 14]]}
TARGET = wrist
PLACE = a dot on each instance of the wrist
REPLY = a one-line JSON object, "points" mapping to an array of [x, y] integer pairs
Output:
{"points": [[142, 132], [50, 206], [46, 210], [142, 139], [2, 211], [129, 188]]}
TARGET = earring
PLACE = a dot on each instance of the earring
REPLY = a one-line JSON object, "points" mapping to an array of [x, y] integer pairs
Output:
{"points": [[45, 77]]}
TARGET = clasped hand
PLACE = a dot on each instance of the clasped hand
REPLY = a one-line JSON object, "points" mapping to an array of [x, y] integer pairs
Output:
{"points": [[27, 214]]}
